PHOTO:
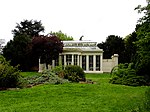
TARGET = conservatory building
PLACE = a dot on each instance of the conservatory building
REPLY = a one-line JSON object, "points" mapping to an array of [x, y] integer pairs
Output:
{"points": [[85, 54]]}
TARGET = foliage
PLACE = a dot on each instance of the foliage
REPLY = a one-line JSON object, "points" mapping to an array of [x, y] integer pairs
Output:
{"points": [[46, 77], [113, 45], [59, 70], [74, 73], [9, 75], [28, 27], [18, 50], [62, 36], [142, 63], [125, 74]]}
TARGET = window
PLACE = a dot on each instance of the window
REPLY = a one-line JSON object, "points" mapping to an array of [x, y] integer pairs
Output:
{"points": [[97, 62], [69, 59], [91, 62], [84, 62], [62, 60], [75, 59]]}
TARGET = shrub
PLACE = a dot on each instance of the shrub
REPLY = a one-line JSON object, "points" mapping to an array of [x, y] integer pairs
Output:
{"points": [[46, 77], [74, 73], [9, 75], [57, 70], [125, 74]]}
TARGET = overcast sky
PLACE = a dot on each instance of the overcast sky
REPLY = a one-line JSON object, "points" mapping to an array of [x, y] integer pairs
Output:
{"points": [[95, 19]]}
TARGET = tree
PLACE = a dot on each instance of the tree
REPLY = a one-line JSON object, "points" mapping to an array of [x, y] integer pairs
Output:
{"points": [[130, 47], [113, 45], [62, 36], [143, 43], [28, 27], [47, 48], [18, 50]]}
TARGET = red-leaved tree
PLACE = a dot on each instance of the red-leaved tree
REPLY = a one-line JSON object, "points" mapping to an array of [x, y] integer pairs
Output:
{"points": [[47, 48]]}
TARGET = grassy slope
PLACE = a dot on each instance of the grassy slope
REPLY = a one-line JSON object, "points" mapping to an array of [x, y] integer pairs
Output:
{"points": [[99, 97]]}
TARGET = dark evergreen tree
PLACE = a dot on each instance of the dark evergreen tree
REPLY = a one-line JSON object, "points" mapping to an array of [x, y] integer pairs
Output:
{"points": [[113, 45], [130, 48]]}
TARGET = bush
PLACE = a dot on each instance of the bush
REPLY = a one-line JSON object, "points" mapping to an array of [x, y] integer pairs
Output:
{"points": [[74, 73], [9, 75], [125, 74], [46, 77], [57, 70]]}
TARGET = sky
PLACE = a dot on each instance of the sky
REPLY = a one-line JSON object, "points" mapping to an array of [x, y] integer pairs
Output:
{"points": [[94, 19]]}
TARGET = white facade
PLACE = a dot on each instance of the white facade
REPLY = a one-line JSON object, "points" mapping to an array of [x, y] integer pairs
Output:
{"points": [[85, 54]]}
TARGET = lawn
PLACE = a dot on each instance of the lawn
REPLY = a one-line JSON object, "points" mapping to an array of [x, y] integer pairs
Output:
{"points": [[73, 97]]}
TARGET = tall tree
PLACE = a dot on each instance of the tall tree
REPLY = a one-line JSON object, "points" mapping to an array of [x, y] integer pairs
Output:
{"points": [[143, 42], [18, 50], [113, 45], [62, 36]]}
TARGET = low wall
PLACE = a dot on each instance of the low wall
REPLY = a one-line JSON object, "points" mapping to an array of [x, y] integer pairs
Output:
{"points": [[108, 64]]}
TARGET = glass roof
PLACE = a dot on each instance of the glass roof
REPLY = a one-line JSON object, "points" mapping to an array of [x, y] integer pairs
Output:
{"points": [[81, 46]]}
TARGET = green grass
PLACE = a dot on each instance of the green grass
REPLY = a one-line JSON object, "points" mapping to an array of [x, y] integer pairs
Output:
{"points": [[73, 97]]}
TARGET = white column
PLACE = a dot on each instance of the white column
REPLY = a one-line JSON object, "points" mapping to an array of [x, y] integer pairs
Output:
{"points": [[40, 66], [116, 59], [78, 63], [87, 62], [53, 63], [72, 63], [65, 60], [81, 61], [94, 63], [101, 63]]}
